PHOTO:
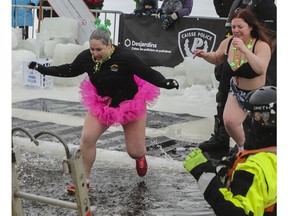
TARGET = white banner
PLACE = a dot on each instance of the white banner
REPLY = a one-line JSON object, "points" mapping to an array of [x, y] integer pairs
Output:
{"points": [[78, 10]]}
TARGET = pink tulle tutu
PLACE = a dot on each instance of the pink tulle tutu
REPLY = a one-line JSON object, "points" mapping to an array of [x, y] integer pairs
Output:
{"points": [[127, 111]]}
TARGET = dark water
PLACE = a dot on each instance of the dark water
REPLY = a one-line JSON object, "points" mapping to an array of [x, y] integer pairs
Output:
{"points": [[115, 188]]}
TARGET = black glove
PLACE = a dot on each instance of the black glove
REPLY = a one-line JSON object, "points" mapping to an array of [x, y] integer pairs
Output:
{"points": [[40, 68], [167, 20], [171, 83], [32, 65], [223, 167], [148, 13]]}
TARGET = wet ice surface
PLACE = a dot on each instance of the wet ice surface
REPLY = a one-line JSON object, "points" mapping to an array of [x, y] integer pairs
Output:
{"points": [[167, 189], [115, 188], [114, 140], [155, 119]]}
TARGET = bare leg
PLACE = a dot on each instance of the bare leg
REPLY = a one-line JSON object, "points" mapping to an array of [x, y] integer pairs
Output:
{"points": [[233, 117], [135, 138], [92, 130]]}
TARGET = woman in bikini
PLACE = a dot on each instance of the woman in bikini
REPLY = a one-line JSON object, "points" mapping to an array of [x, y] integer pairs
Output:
{"points": [[245, 56]]}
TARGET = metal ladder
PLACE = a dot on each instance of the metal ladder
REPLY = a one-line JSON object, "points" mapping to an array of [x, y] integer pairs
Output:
{"points": [[72, 165]]}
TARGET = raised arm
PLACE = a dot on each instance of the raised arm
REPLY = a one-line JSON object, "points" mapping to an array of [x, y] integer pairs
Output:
{"points": [[65, 70], [215, 57]]}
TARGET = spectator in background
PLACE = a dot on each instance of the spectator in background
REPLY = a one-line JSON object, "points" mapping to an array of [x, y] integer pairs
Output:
{"points": [[222, 7], [23, 17], [265, 10], [95, 5], [46, 12], [171, 10], [91, 4], [148, 7]]}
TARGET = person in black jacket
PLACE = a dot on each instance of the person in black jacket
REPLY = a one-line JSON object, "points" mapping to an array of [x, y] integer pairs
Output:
{"points": [[265, 11], [171, 10], [222, 7], [118, 88], [147, 7], [245, 184]]}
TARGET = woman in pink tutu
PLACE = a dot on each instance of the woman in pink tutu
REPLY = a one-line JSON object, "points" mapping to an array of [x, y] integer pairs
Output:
{"points": [[116, 91]]}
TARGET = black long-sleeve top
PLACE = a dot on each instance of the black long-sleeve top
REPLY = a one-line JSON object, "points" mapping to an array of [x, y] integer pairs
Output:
{"points": [[115, 77]]}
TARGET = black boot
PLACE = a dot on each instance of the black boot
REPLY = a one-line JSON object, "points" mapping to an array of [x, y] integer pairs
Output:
{"points": [[220, 140]]}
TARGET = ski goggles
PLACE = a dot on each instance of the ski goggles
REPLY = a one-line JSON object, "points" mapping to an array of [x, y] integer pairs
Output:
{"points": [[266, 118]]}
